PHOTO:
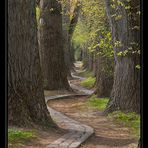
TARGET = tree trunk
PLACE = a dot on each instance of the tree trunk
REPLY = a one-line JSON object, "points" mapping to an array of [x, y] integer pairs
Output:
{"points": [[104, 77], [51, 46], [90, 61], [139, 143], [69, 26], [125, 94], [26, 103], [66, 23], [86, 58]]}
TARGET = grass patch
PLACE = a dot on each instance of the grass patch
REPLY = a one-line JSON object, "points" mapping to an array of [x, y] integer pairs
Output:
{"points": [[98, 103], [131, 120], [89, 82], [16, 136], [86, 74]]}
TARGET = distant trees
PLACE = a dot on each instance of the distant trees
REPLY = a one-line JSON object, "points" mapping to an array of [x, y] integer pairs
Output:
{"points": [[125, 22], [51, 45], [93, 36], [114, 57], [26, 103]]}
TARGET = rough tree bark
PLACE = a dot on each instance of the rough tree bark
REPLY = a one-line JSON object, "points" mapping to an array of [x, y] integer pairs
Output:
{"points": [[66, 22], [90, 61], [69, 27], [51, 45], [104, 77], [74, 19], [125, 94], [26, 103]]}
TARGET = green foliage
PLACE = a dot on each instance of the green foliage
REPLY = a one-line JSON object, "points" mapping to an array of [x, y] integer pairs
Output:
{"points": [[81, 34], [15, 135], [92, 20], [131, 120], [92, 33], [122, 53], [105, 44], [127, 52], [98, 103], [137, 67], [37, 13], [89, 82]]}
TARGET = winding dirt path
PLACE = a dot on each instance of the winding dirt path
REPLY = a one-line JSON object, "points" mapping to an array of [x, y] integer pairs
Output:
{"points": [[107, 133]]}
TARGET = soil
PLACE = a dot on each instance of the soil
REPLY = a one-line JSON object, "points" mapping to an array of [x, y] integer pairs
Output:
{"points": [[107, 133], [42, 139]]}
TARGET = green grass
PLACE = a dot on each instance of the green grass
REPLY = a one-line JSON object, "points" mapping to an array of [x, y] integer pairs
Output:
{"points": [[89, 82], [86, 74], [130, 120], [97, 102], [15, 135]]}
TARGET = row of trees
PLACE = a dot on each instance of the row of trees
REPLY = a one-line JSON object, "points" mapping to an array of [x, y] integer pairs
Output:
{"points": [[41, 53], [107, 39], [38, 56], [26, 105]]}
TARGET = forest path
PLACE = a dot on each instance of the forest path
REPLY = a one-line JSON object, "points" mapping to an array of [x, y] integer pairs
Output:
{"points": [[78, 132], [73, 113]]}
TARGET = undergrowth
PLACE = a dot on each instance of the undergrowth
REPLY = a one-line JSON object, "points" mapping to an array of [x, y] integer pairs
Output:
{"points": [[130, 120], [89, 82], [17, 136], [86, 74], [99, 103]]}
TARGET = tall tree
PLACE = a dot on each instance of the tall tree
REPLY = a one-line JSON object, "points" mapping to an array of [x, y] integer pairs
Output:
{"points": [[66, 7], [26, 103], [104, 77], [124, 20], [71, 10], [51, 45], [104, 64], [96, 48]]}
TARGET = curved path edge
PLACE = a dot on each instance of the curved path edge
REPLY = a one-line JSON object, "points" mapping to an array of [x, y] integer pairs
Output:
{"points": [[78, 132]]}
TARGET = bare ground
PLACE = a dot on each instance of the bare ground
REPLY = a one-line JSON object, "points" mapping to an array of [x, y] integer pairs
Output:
{"points": [[107, 133], [43, 138]]}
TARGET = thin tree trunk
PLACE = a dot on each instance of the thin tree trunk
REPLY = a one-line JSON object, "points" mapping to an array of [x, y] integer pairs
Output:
{"points": [[26, 103]]}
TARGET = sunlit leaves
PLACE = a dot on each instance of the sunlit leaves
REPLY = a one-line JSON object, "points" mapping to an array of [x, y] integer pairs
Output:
{"points": [[37, 13], [122, 53], [137, 67], [105, 44], [117, 44]]}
